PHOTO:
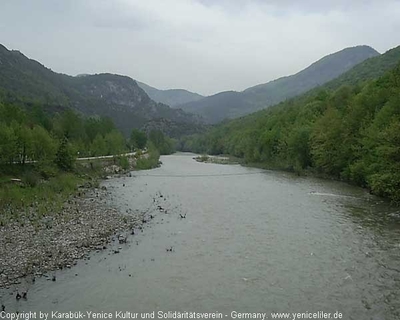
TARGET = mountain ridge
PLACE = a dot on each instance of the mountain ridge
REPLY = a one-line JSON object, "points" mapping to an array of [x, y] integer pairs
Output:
{"points": [[119, 97], [171, 97], [234, 104]]}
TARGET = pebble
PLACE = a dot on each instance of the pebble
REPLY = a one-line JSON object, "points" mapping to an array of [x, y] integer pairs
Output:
{"points": [[80, 227]]}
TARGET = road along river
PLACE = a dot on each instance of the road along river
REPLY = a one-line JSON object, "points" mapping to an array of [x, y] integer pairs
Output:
{"points": [[227, 238]]}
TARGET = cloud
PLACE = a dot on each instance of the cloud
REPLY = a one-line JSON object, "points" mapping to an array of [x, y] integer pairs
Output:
{"points": [[205, 46]]}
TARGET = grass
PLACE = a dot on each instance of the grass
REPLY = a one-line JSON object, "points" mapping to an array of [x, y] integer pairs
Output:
{"points": [[19, 202], [43, 189]]}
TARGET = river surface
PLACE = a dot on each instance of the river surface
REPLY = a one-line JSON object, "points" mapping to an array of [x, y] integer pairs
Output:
{"points": [[251, 241]]}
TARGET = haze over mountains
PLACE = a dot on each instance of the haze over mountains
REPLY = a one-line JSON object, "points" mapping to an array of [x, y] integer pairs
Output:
{"points": [[118, 97], [348, 129], [135, 104], [171, 97], [232, 104]]}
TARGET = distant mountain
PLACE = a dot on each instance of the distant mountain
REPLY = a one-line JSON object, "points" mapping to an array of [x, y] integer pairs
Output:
{"points": [[171, 97], [235, 104], [118, 97]]}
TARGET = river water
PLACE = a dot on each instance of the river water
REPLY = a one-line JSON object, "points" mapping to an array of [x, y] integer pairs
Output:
{"points": [[251, 241]]}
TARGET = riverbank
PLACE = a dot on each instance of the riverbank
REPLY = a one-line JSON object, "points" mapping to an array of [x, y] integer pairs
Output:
{"points": [[268, 235], [85, 223], [310, 172], [42, 236]]}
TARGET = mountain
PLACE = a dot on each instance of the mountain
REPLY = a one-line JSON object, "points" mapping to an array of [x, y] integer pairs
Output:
{"points": [[369, 69], [235, 104], [118, 97], [348, 129], [171, 97]]}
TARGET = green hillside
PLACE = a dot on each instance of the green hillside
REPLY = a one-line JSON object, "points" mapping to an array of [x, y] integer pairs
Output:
{"points": [[26, 81], [371, 68], [351, 133], [230, 104]]}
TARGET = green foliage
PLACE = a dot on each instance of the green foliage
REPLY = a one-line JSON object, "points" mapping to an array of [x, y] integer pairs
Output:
{"points": [[30, 84], [16, 201], [150, 160], [40, 150], [8, 144], [115, 142], [98, 126], [162, 143], [123, 162], [34, 136], [138, 139], [43, 145], [64, 157], [369, 69], [352, 133], [331, 72]]}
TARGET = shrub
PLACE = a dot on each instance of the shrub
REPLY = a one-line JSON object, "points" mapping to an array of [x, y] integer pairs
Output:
{"points": [[65, 158], [31, 178], [123, 163]]}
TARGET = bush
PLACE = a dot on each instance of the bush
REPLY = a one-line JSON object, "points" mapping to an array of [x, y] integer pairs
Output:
{"points": [[65, 157], [124, 163], [65, 183], [31, 178], [47, 170], [386, 185], [152, 161]]}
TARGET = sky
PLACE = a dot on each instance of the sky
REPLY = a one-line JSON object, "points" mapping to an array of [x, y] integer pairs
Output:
{"points": [[205, 46]]}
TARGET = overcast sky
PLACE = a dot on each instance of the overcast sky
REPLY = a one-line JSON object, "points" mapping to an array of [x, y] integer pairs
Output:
{"points": [[204, 46]]}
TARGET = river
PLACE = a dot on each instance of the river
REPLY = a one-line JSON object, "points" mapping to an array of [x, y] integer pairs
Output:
{"points": [[251, 240]]}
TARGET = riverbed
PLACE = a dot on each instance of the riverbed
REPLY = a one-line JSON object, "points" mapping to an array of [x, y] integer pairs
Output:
{"points": [[225, 237]]}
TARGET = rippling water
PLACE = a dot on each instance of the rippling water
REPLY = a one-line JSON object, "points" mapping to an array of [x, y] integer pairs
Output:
{"points": [[252, 241]]}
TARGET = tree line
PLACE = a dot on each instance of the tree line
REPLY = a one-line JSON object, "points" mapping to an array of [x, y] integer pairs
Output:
{"points": [[351, 133], [31, 135]]}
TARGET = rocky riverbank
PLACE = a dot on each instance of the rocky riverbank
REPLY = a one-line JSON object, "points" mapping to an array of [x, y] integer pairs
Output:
{"points": [[216, 159], [86, 222]]}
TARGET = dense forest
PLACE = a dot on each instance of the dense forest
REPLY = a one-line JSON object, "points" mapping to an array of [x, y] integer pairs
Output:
{"points": [[38, 152], [35, 136], [350, 133]]}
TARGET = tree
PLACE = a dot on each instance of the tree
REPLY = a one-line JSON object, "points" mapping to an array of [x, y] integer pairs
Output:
{"points": [[163, 144], [299, 147], [138, 139], [24, 140], [327, 147], [115, 142], [43, 145], [99, 146], [8, 144], [70, 125], [64, 157]]}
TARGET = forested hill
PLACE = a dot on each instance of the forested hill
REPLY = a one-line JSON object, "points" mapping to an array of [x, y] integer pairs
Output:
{"points": [[351, 133], [171, 97], [118, 97], [318, 73], [369, 69], [234, 104]]}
